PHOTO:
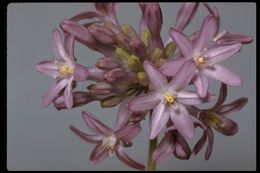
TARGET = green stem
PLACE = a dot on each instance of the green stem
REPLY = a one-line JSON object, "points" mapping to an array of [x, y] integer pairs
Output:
{"points": [[152, 145]]}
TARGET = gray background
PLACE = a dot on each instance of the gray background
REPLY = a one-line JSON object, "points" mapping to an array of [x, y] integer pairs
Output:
{"points": [[39, 139]]}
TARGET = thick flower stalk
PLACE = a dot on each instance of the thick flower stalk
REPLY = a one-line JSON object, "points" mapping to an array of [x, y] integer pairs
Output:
{"points": [[142, 74]]}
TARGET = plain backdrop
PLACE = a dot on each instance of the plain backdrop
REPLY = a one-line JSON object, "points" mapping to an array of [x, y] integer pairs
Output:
{"points": [[39, 139]]}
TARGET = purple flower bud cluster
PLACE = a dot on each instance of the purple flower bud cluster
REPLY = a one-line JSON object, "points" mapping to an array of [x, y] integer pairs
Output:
{"points": [[146, 76]]}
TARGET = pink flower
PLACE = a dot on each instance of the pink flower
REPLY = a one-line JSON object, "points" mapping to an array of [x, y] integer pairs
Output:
{"points": [[216, 117], [109, 141], [168, 99], [206, 58], [63, 69]]}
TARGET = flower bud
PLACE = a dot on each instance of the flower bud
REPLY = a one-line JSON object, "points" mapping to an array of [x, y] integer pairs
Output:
{"points": [[102, 34], [107, 63]]}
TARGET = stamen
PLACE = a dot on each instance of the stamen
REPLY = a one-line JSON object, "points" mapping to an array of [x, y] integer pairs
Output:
{"points": [[200, 60], [170, 49], [66, 69], [121, 53], [169, 99], [145, 37]]}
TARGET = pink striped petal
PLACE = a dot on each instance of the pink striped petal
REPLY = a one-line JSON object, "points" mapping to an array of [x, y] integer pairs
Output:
{"points": [[98, 154], [229, 38], [226, 126], [170, 68], [183, 76], [185, 15], [223, 74], [182, 41], [233, 106], [210, 144], [58, 46], [208, 31], [191, 98], [86, 15], [182, 120], [108, 10], [123, 115], [80, 73], [95, 125], [68, 97], [182, 149], [164, 149], [69, 41], [128, 132], [221, 53], [127, 160], [94, 139], [48, 67], [221, 97], [157, 80], [201, 142], [144, 102], [160, 116], [201, 83], [53, 91]]}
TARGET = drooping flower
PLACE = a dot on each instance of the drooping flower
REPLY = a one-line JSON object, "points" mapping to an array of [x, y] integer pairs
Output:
{"points": [[206, 58], [168, 99], [109, 141], [216, 117], [63, 69], [171, 143]]}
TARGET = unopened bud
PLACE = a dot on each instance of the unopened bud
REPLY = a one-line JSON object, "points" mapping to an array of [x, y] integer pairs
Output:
{"points": [[107, 63], [102, 34]]}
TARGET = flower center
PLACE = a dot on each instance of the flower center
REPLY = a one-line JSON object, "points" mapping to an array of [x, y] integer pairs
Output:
{"points": [[200, 60], [169, 99], [214, 120], [110, 144], [66, 69]]}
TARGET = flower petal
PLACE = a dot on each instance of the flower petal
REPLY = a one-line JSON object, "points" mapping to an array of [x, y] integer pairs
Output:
{"points": [[58, 46], [182, 41], [229, 38], [208, 31], [157, 80], [144, 102], [183, 76], [69, 41], [210, 144], [160, 116], [128, 132], [226, 126], [221, 97], [127, 160], [123, 115], [48, 67], [81, 73], [221, 53], [95, 125], [182, 149], [164, 149], [53, 91], [68, 97], [94, 139], [182, 120], [191, 98], [201, 142], [98, 154], [170, 68], [233, 107], [223, 74], [185, 14], [201, 83]]}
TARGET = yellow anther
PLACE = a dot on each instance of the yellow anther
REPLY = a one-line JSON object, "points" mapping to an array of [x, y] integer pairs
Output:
{"points": [[214, 120], [127, 29], [133, 61], [121, 53], [170, 49], [200, 60], [169, 98], [157, 54], [66, 69], [145, 37]]}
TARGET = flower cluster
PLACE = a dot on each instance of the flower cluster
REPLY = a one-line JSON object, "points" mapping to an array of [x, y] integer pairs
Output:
{"points": [[146, 76]]}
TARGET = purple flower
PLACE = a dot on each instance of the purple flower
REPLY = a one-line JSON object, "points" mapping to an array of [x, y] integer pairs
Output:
{"points": [[216, 117], [172, 142], [109, 141], [206, 58], [63, 69], [168, 99]]}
